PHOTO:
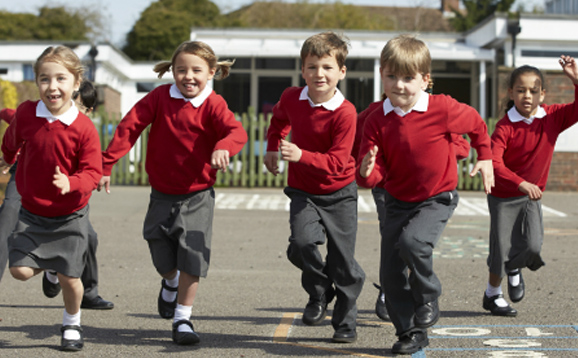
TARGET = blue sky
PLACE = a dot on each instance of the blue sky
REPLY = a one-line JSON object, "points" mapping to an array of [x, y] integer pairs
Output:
{"points": [[122, 14]]}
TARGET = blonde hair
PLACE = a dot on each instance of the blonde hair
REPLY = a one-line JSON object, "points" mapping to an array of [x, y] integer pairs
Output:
{"points": [[201, 50], [63, 56], [406, 55], [326, 44]]}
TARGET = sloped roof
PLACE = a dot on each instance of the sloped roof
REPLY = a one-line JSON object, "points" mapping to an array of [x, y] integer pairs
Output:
{"points": [[277, 14]]}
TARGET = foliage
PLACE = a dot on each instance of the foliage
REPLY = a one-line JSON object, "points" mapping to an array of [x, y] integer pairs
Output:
{"points": [[165, 24], [478, 10], [51, 23]]}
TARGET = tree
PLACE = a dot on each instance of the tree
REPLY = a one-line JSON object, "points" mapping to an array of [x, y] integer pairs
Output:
{"points": [[165, 24], [478, 10], [52, 23]]}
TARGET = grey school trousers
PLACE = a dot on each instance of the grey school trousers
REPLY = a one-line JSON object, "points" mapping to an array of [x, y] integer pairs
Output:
{"points": [[516, 234], [8, 220], [408, 236], [331, 218]]}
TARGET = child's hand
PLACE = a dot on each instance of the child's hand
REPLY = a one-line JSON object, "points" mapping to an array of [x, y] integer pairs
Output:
{"points": [[220, 159], [487, 170], [271, 162], [532, 190], [61, 181], [569, 67], [368, 162], [104, 183], [4, 165], [289, 151]]}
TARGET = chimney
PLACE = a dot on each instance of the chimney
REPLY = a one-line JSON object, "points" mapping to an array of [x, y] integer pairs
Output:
{"points": [[449, 5]]}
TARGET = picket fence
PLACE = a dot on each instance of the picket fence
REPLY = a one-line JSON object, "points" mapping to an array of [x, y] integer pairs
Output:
{"points": [[246, 168]]}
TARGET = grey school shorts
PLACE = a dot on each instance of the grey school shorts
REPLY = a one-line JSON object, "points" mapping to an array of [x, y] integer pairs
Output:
{"points": [[178, 229], [51, 243]]}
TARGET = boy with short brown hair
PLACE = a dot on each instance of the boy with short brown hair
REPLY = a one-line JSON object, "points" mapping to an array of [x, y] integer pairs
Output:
{"points": [[321, 183]]}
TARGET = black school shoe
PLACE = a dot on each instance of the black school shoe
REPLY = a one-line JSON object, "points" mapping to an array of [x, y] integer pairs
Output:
{"points": [[410, 343], [71, 345], [185, 338], [489, 304], [97, 303], [427, 315], [516, 293], [344, 336], [50, 289], [316, 308], [380, 307], [166, 309]]}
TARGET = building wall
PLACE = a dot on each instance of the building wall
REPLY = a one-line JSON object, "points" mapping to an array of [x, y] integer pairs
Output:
{"points": [[110, 99], [559, 89]]}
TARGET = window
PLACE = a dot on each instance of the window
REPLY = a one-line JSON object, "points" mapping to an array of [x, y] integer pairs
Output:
{"points": [[28, 72], [145, 86], [3, 71], [275, 63]]}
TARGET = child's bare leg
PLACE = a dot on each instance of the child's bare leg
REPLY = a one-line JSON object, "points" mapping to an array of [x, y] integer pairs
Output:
{"points": [[495, 280], [72, 291], [24, 273], [183, 332]]}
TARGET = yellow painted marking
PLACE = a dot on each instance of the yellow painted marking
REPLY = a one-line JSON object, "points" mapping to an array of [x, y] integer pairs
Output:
{"points": [[282, 333]]}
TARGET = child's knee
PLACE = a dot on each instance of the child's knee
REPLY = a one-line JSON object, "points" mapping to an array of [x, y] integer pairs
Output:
{"points": [[21, 273]]}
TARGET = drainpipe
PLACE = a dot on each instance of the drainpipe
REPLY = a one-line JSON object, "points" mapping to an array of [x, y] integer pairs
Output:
{"points": [[514, 29]]}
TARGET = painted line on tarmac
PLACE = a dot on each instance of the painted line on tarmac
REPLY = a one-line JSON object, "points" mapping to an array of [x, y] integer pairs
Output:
{"points": [[281, 335]]}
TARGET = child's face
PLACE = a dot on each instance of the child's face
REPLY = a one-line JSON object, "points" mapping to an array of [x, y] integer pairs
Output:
{"points": [[527, 94], [191, 74], [322, 74], [403, 91], [56, 85]]}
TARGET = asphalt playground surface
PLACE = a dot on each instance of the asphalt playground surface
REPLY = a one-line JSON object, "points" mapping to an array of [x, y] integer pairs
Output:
{"points": [[251, 302]]}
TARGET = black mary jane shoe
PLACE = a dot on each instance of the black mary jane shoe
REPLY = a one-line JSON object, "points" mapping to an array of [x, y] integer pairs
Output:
{"points": [[97, 303], [489, 304], [71, 345], [185, 338], [516, 293], [50, 289], [166, 309]]}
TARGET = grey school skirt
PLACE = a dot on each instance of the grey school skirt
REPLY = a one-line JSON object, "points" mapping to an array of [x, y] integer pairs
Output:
{"points": [[56, 244]]}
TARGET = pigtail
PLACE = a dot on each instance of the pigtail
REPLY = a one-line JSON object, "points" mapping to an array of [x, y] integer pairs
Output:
{"points": [[162, 67], [223, 69]]}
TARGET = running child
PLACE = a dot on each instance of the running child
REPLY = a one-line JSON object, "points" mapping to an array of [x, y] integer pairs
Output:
{"points": [[193, 133], [85, 100], [406, 149], [321, 183], [522, 145], [58, 151]]}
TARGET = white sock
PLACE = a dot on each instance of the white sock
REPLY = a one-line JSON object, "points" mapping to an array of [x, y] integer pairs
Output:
{"points": [[183, 313], [514, 280], [171, 296], [52, 277], [71, 320], [493, 291]]}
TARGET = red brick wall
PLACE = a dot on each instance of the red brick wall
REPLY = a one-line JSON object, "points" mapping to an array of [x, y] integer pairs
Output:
{"points": [[559, 89]]}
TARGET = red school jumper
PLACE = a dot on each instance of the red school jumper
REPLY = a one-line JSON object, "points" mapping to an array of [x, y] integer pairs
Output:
{"points": [[181, 140], [523, 152], [414, 159], [325, 138], [43, 146]]}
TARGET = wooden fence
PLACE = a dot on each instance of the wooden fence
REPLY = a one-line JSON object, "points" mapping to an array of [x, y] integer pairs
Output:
{"points": [[246, 169]]}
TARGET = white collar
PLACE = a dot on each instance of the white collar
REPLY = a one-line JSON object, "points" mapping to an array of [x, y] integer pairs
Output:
{"points": [[67, 117], [195, 101], [331, 105], [420, 106], [515, 116]]}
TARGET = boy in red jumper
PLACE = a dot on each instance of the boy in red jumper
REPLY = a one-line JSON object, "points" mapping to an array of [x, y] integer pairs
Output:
{"points": [[406, 149], [58, 151], [522, 145], [193, 133], [321, 182]]}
